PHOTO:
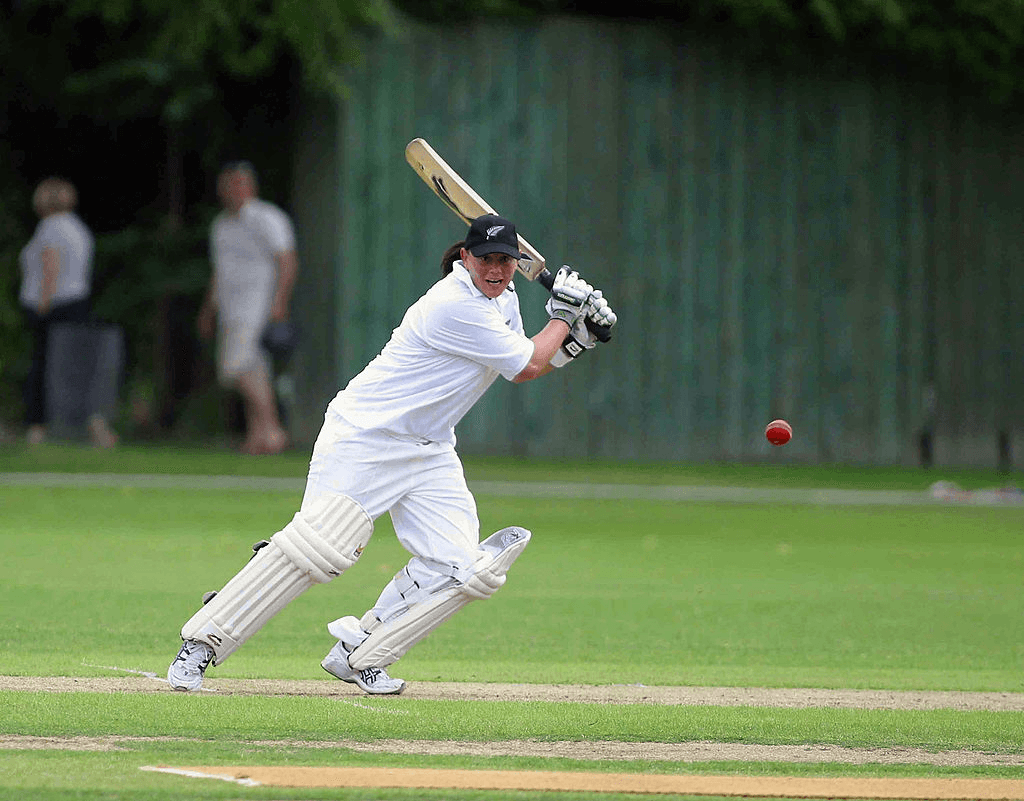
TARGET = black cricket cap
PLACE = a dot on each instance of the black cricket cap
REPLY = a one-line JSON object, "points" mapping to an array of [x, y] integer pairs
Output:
{"points": [[490, 233]]}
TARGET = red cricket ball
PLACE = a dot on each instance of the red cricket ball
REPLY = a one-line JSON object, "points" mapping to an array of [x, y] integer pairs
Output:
{"points": [[778, 432]]}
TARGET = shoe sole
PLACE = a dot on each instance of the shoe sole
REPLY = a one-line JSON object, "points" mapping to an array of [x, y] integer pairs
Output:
{"points": [[356, 683]]}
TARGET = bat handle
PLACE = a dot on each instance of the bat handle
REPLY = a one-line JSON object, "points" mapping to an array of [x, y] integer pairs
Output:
{"points": [[602, 332]]}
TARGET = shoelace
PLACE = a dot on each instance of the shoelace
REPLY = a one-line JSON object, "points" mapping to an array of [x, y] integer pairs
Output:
{"points": [[196, 659]]}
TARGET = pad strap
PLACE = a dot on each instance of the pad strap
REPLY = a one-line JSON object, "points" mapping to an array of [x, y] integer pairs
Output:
{"points": [[379, 644]]}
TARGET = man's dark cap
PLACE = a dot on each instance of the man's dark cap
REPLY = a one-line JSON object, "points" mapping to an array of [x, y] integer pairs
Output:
{"points": [[493, 234]]}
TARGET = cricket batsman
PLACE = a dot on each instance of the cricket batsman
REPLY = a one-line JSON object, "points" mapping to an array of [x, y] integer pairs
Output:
{"points": [[388, 445]]}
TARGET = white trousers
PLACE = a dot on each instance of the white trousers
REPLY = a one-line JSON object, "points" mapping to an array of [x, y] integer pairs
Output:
{"points": [[422, 485]]}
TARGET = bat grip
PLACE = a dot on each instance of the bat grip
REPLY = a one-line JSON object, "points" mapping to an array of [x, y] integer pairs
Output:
{"points": [[602, 332]]}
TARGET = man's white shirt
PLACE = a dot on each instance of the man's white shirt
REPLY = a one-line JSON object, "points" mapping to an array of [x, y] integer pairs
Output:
{"points": [[450, 347], [244, 249]]}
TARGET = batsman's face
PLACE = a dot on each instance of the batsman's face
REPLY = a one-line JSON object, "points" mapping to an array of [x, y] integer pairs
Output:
{"points": [[491, 273]]}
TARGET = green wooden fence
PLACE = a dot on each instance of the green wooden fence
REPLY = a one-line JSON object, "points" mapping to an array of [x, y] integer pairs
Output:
{"points": [[836, 246]]}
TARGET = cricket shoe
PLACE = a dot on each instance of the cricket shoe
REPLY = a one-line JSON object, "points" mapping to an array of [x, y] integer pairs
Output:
{"points": [[374, 681], [189, 666]]}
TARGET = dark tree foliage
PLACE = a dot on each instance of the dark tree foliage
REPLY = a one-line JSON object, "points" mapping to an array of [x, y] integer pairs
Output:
{"points": [[141, 127], [978, 42]]}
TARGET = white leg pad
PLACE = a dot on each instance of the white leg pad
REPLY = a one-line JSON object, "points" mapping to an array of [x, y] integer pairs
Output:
{"points": [[390, 639], [318, 544]]}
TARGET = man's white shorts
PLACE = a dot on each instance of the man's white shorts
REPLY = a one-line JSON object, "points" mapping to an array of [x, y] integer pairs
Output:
{"points": [[239, 350]]}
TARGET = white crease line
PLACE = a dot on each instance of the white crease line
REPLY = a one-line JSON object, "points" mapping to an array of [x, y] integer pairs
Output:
{"points": [[195, 774], [374, 708], [147, 673], [151, 675]]}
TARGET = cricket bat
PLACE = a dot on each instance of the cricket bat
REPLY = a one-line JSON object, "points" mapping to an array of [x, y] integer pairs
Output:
{"points": [[462, 199]]}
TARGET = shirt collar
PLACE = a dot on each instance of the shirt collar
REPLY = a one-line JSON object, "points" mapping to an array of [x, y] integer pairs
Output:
{"points": [[462, 274]]}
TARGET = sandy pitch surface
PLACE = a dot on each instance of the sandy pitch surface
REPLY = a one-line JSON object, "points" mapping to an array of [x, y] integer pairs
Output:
{"points": [[796, 698], [567, 781]]}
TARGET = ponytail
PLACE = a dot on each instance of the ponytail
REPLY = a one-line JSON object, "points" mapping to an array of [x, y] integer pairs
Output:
{"points": [[452, 255]]}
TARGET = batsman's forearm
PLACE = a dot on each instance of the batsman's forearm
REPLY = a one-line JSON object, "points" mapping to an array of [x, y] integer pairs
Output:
{"points": [[545, 343], [602, 332]]}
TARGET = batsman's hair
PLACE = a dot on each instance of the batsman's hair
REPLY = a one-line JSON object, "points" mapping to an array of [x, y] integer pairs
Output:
{"points": [[451, 256]]}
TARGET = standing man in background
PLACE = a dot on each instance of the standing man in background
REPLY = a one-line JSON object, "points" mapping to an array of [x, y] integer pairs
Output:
{"points": [[252, 247]]}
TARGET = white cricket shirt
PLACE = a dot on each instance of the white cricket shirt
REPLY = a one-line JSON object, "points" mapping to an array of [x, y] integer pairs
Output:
{"points": [[450, 347]]}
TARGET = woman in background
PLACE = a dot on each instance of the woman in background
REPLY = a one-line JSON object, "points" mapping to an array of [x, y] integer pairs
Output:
{"points": [[56, 285]]}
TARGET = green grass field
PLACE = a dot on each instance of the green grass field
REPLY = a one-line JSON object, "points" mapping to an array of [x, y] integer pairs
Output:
{"points": [[96, 581]]}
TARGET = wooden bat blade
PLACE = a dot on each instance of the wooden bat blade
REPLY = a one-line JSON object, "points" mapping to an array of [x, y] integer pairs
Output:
{"points": [[461, 198], [436, 173]]}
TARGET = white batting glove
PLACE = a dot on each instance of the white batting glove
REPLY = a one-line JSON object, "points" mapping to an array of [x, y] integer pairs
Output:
{"points": [[599, 311], [569, 295], [578, 341]]}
